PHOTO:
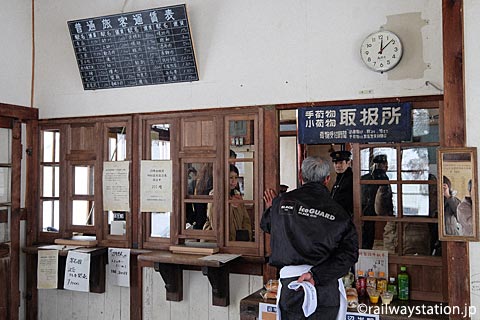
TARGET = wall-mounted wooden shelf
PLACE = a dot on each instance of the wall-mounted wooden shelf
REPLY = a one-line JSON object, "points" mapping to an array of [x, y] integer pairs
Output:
{"points": [[98, 262], [170, 266]]}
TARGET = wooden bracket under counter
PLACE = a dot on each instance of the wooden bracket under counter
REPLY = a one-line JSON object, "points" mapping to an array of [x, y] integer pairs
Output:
{"points": [[171, 265]]}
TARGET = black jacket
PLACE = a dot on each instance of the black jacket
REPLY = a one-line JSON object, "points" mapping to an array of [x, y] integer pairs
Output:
{"points": [[342, 190], [308, 227]]}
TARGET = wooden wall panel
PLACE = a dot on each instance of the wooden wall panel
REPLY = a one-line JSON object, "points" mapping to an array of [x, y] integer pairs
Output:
{"points": [[83, 138], [197, 303], [4, 275], [198, 133]]}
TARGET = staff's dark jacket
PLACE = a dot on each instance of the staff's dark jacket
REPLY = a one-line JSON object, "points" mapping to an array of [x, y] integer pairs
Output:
{"points": [[308, 227], [342, 190]]}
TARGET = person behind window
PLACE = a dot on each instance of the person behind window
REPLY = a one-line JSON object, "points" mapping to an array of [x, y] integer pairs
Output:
{"points": [[376, 199], [464, 212], [450, 204], [342, 190], [313, 240], [203, 186], [239, 221]]}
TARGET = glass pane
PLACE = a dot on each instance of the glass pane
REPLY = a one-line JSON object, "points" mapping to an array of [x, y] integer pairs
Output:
{"points": [[48, 146], [5, 196], [196, 216], [416, 200], [241, 220], [57, 181], [47, 181], [83, 177], [117, 144], [5, 146], [379, 200], [117, 222], [415, 163], [5, 215], [425, 125], [82, 213], [160, 224], [160, 142], [241, 139], [50, 216], [57, 146], [51, 146], [380, 235], [378, 161], [417, 238], [244, 179]]}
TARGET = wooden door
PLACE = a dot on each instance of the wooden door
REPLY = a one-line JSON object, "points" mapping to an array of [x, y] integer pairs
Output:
{"points": [[10, 136], [11, 119]]}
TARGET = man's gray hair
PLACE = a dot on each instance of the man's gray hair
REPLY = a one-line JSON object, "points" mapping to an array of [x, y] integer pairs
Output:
{"points": [[315, 169]]}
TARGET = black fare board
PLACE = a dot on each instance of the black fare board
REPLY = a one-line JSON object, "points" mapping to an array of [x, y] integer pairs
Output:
{"points": [[138, 48]]}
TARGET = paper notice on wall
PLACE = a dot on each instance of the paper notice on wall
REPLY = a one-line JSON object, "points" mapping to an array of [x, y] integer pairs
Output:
{"points": [[372, 260], [116, 190], [77, 272], [119, 267], [47, 269], [156, 186]]}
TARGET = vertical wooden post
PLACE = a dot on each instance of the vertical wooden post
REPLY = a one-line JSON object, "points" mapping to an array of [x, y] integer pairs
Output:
{"points": [[31, 197], [15, 219], [454, 134], [272, 175]]}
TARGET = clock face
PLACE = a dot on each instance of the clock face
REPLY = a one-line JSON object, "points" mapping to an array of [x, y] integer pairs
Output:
{"points": [[381, 51]]}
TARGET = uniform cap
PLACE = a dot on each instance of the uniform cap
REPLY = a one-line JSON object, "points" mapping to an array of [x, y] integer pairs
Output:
{"points": [[340, 155], [381, 158]]}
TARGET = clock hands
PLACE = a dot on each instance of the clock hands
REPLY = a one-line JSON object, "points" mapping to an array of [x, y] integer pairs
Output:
{"points": [[381, 48]]}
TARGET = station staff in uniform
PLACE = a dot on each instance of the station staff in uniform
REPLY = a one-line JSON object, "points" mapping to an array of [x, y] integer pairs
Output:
{"points": [[313, 241], [342, 190]]}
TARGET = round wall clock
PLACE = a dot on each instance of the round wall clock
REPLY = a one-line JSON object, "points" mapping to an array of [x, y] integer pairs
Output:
{"points": [[381, 51]]}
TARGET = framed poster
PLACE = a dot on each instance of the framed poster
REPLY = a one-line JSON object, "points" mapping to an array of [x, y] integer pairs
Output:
{"points": [[458, 201]]}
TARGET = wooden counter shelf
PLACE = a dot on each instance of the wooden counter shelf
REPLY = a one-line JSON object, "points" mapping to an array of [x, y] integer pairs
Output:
{"points": [[171, 265], [249, 308], [98, 262]]}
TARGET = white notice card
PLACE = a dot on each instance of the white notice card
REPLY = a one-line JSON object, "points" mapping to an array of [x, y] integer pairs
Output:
{"points": [[47, 269], [116, 190], [77, 272], [156, 186], [119, 267]]}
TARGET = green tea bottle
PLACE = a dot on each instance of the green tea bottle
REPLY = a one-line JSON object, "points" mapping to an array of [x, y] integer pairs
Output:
{"points": [[403, 284], [392, 287]]}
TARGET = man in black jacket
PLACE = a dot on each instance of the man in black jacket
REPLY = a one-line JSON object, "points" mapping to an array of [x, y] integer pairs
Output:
{"points": [[342, 190], [313, 241]]}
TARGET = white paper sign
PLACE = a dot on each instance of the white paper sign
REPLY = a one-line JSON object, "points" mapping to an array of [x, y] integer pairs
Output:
{"points": [[116, 186], [267, 311], [119, 267], [372, 260], [47, 269], [77, 272], [156, 186]]}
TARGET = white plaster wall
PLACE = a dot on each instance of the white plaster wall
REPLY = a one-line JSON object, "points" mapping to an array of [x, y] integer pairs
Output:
{"points": [[249, 52], [16, 52], [115, 302], [472, 101]]}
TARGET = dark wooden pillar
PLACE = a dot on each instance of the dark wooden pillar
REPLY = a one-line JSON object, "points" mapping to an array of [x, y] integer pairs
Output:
{"points": [[454, 133], [272, 175]]}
